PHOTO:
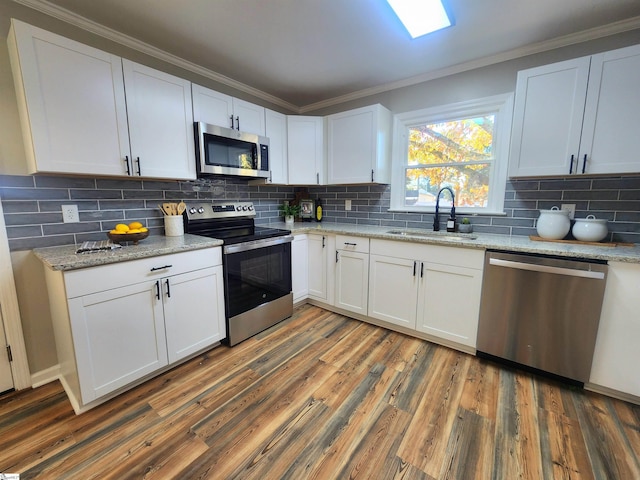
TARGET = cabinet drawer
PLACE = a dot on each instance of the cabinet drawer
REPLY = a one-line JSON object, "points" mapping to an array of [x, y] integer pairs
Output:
{"points": [[106, 277], [352, 243], [454, 256]]}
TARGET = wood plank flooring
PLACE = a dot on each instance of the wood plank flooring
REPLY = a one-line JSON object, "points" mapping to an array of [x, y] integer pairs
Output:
{"points": [[321, 396]]}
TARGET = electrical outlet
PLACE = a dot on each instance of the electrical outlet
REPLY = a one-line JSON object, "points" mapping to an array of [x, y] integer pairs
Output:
{"points": [[347, 204], [571, 208], [70, 214]]}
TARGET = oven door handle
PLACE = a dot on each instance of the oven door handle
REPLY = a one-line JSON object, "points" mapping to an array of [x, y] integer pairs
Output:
{"points": [[255, 244]]}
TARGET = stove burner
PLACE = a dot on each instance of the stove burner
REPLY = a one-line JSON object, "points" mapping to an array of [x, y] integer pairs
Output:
{"points": [[231, 222]]}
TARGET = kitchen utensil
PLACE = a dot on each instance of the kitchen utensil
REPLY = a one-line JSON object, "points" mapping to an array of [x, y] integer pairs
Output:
{"points": [[168, 208], [181, 208], [590, 229], [553, 224]]}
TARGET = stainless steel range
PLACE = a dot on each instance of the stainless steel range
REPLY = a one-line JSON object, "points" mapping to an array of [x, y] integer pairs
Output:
{"points": [[256, 263]]}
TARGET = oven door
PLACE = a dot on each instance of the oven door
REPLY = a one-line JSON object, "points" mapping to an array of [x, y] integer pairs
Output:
{"points": [[256, 273]]}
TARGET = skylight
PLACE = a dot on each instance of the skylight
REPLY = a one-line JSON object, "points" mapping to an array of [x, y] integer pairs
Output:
{"points": [[421, 16]]}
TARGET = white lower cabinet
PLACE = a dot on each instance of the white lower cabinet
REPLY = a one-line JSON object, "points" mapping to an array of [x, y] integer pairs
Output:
{"points": [[431, 289], [116, 324], [320, 253], [352, 273], [393, 289], [300, 267], [617, 356]]}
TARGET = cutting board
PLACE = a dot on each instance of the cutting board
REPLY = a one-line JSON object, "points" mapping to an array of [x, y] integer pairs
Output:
{"points": [[580, 242]]}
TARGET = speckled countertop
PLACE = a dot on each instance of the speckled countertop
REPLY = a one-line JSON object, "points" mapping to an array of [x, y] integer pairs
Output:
{"points": [[66, 258], [475, 240]]}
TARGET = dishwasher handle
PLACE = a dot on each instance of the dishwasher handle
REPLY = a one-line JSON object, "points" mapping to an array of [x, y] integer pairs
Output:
{"points": [[546, 269]]}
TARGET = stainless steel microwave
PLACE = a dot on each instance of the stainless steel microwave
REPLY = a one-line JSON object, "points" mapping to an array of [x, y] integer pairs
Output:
{"points": [[225, 151]]}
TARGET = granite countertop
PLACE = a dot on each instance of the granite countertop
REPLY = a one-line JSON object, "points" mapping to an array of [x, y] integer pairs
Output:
{"points": [[66, 258], [475, 240]]}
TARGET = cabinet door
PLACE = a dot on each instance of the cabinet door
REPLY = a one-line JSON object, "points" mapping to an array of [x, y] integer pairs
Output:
{"points": [[118, 337], [393, 290], [212, 107], [300, 267], [193, 311], [305, 150], [610, 141], [358, 148], [617, 356], [71, 101], [449, 303], [547, 120], [318, 248], [249, 117], [160, 123], [352, 281], [276, 131]]}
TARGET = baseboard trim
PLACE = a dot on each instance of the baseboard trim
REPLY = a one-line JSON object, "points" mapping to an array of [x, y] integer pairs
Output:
{"points": [[43, 377]]}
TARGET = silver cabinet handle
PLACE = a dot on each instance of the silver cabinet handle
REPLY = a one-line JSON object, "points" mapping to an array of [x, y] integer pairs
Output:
{"points": [[546, 269]]}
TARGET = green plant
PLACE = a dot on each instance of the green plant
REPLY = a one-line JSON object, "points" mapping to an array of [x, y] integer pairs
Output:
{"points": [[466, 221], [289, 209]]}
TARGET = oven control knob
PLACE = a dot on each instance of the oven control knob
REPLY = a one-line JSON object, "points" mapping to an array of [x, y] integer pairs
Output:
{"points": [[244, 208], [250, 207], [238, 208], [192, 210], [201, 210]]}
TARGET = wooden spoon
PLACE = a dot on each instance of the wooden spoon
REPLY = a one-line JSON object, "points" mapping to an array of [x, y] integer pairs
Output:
{"points": [[168, 209], [181, 208]]}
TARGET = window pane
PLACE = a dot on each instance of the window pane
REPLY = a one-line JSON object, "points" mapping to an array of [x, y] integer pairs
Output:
{"points": [[470, 183], [456, 141]]}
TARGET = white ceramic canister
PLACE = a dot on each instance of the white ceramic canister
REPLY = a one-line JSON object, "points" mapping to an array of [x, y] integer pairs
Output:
{"points": [[173, 226], [553, 224], [590, 229]]}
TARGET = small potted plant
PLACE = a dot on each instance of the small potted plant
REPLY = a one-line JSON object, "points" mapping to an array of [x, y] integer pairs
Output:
{"points": [[289, 211], [465, 226]]}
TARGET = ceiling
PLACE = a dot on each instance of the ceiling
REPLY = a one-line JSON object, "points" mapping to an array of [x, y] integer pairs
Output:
{"points": [[309, 53]]}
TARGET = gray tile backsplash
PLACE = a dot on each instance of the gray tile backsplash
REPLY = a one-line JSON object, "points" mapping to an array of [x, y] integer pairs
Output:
{"points": [[33, 216]]}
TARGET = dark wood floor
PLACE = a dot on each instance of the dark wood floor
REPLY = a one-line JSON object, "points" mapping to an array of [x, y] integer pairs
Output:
{"points": [[326, 397]]}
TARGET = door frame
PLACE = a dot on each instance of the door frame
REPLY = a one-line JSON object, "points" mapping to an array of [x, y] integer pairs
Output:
{"points": [[10, 313]]}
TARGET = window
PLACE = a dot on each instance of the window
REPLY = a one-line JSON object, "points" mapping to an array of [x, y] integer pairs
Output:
{"points": [[462, 146]]}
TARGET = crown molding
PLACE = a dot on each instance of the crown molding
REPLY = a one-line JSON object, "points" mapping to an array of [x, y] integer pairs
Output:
{"points": [[572, 39], [67, 16], [84, 23]]}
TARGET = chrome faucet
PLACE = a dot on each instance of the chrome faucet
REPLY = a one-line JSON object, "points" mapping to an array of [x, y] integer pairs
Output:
{"points": [[452, 216]]}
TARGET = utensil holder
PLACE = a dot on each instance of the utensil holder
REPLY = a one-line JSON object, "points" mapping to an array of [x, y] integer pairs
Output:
{"points": [[173, 226]]}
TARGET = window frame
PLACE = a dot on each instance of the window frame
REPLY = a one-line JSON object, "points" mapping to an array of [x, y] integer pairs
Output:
{"points": [[500, 105]]}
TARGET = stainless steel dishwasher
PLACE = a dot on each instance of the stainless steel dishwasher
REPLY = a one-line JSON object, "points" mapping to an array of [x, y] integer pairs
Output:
{"points": [[541, 311]]}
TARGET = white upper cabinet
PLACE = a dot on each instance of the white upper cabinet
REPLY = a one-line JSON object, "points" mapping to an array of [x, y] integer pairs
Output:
{"points": [[359, 146], [160, 123], [80, 115], [577, 117], [276, 131], [219, 109], [71, 101], [610, 138], [547, 120], [305, 140]]}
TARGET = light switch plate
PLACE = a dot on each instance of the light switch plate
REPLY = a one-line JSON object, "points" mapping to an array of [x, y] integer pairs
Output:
{"points": [[70, 214], [571, 208], [347, 204]]}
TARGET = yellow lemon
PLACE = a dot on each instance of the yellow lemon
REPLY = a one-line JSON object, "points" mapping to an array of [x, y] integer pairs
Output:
{"points": [[114, 231], [121, 227], [135, 225], [134, 230], [118, 232], [144, 229]]}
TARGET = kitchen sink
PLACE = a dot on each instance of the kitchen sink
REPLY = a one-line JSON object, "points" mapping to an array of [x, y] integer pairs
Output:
{"points": [[442, 235]]}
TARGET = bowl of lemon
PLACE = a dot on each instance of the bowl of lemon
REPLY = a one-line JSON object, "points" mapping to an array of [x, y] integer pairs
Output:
{"points": [[122, 233]]}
